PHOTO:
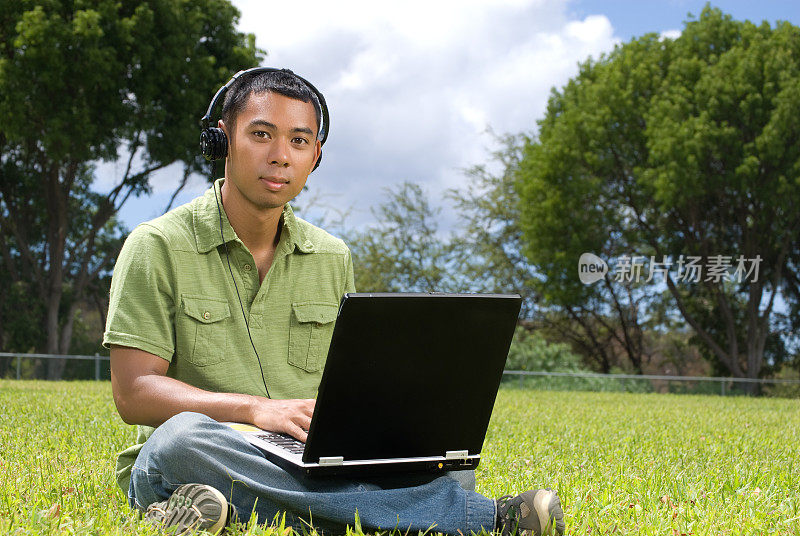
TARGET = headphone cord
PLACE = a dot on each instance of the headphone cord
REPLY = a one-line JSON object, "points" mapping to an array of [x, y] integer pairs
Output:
{"points": [[227, 256]]}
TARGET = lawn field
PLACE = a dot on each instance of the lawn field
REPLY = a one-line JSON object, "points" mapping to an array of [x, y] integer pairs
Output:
{"points": [[622, 463]]}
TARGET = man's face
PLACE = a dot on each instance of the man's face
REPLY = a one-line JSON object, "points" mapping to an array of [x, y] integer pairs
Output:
{"points": [[273, 148]]}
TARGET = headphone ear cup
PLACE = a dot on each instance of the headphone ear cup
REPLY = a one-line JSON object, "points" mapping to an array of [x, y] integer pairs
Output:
{"points": [[213, 143]]}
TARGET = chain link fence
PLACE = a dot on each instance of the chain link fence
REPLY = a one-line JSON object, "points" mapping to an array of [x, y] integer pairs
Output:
{"points": [[560, 381], [101, 363], [650, 383]]}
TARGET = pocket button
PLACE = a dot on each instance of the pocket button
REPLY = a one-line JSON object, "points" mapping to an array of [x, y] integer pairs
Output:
{"points": [[206, 315]]}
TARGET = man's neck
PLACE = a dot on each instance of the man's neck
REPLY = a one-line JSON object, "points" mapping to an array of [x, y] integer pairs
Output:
{"points": [[258, 228]]}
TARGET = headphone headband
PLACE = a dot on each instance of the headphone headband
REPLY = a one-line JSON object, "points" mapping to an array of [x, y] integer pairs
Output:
{"points": [[213, 144]]}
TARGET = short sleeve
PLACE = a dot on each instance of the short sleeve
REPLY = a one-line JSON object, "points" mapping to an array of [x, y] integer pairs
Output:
{"points": [[349, 285], [141, 308]]}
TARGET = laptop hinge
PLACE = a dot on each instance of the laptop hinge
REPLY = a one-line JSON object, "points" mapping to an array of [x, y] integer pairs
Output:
{"points": [[331, 460], [456, 454]]}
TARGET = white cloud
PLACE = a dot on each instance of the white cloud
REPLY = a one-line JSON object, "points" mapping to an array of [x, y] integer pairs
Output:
{"points": [[413, 86], [670, 34]]}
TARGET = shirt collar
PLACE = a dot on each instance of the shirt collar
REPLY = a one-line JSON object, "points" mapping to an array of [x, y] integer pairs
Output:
{"points": [[207, 214]]}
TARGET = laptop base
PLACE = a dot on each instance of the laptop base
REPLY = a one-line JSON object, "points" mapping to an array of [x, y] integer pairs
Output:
{"points": [[369, 470]]}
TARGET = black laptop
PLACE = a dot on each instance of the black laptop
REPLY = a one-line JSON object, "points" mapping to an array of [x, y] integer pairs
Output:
{"points": [[409, 385]]}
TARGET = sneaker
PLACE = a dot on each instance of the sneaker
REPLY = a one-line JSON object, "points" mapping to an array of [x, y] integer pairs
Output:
{"points": [[191, 507], [533, 513]]}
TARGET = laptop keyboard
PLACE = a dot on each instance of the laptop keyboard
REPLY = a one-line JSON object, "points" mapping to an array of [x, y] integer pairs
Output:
{"points": [[284, 441]]}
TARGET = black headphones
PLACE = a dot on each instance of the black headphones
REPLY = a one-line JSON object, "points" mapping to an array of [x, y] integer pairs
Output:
{"points": [[214, 142]]}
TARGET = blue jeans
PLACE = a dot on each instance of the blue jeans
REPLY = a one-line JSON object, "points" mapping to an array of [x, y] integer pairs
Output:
{"points": [[191, 447]]}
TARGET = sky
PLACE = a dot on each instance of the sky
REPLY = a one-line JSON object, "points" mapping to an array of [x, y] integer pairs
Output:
{"points": [[415, 89]]}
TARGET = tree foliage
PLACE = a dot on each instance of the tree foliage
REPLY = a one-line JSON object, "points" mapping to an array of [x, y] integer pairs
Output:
{"points": [[86, 81], [667, 148], [529, 351], [407, 250], [403, 250], [487, 245]]}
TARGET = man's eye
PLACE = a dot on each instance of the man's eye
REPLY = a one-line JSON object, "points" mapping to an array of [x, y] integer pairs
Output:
{"points": [[261, 134], [299, 140]]}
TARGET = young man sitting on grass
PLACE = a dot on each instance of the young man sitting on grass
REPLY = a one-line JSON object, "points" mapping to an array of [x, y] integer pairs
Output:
{"points": [[182, 360]]}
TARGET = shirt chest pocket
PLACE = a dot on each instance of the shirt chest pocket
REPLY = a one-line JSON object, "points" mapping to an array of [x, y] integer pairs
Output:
{"points": [[310, 334], [203, 330]]}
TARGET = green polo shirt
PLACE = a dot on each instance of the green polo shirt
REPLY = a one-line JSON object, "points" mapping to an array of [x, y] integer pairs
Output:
{"points": [[172, 295]]}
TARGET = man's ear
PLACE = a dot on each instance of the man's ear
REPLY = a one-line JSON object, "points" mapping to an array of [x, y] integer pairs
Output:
{"points": [[317, 153], [221, 124]]}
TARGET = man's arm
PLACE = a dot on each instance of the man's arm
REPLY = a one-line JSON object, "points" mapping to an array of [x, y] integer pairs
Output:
{"points": [[144, 395]]}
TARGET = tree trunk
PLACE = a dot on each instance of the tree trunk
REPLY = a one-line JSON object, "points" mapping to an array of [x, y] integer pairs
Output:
{"points": [[55, 367], [595, 348], [57, 201]]}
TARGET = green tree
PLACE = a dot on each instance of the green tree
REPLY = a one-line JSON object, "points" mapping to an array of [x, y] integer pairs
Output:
{"points": [[406, 251], [488, 246], [86, 81], [529, 351], [668, 148], [490, 252], [402, 251]]}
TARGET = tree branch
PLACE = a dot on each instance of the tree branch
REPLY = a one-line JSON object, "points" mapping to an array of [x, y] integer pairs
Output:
{"points": [[136, 177], [763, 328], [22, 245], [135, 144], [730, 321], [625, 340], [180, 187], [732, 364], [596, 346]]}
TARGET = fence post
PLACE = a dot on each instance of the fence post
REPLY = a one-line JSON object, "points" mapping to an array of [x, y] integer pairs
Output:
{"points": [[722, 387], [19, 360], [96, 367]]}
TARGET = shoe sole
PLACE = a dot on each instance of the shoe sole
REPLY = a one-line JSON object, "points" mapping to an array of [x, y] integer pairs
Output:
{"points": [[207, 504]]}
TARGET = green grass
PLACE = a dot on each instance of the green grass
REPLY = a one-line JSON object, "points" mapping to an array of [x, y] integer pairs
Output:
{"points": [[622, 463]]}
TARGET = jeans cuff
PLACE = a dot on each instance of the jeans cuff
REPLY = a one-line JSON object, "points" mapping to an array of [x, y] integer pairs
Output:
{"points": [[132, 498], [481, 513]]}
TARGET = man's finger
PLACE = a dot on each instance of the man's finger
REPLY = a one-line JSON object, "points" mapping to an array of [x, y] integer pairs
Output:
{"points": [[296, 432], [303, 421]]}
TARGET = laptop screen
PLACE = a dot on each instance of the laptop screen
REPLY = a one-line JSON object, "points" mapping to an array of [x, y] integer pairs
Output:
{"points": [[411, 375]]}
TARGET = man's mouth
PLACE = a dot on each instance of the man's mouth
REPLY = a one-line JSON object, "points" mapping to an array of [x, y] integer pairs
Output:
{"points": [[273, 183]]}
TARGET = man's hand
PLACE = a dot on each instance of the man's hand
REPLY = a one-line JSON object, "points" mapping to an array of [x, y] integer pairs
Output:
{"points": [[291, 417], [145, 395]]}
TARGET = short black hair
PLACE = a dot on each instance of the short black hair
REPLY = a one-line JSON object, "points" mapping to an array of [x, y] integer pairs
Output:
{"points": [[282, 82]]}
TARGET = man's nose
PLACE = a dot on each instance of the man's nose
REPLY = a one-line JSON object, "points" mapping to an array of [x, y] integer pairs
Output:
{"points": [[279, 152]]}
